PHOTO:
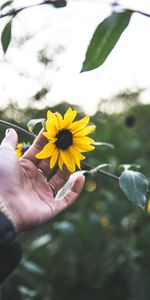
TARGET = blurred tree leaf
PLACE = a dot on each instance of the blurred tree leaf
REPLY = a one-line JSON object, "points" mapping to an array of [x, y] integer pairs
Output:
{"points": [[25, 291], [40, 94], [64, 227], [32, 267], [134, 185], [104, 39], [32, 123], [40, 241], [6, 36], [7, 3], [60, 3]]}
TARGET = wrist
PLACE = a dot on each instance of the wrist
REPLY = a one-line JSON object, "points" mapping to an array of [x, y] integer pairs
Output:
{"points": [[5, 211]]}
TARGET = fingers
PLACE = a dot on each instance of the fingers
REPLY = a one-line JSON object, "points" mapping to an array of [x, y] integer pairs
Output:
{"points": [[8, 160], [71, 195], [60, 178], [10, 140], [36, 147], [44, 166]]}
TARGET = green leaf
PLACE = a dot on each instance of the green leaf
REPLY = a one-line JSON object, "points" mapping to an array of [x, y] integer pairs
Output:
{"points": [[103, 144], [7, 3], [104, 39], [61, 193], [32, 123], [134, 185], [6, 36]]}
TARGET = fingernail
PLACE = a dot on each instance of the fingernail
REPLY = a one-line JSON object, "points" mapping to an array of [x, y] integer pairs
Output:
{"points": [[7, 131]]}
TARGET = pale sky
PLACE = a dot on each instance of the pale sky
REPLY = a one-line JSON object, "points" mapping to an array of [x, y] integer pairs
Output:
{"points": [[127, 67]]}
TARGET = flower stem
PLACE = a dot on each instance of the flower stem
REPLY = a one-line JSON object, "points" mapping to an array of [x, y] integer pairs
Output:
{"points": [[108, 174], [8, 124]]}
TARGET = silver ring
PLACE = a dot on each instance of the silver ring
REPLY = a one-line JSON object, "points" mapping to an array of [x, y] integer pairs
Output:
{"points": [[50, 184], [53, 189], [41, 172]]}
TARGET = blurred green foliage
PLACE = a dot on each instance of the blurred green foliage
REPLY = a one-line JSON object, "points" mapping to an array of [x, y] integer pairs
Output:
{"points": [[98, 248]]}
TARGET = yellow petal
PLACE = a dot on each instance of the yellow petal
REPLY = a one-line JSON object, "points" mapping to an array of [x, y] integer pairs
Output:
{"points": [[84, 148], [60, 162], [72, 167], [49, 136], [69, 117], [47, 151], [85, 131], [76, 153], [51, 128], [54, 158], [82, 140], [78, 125], [67, 161], [19, 150], [60, 120], [77, 156], [51, 118]]}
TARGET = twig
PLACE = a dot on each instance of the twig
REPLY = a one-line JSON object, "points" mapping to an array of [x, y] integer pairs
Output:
{"points": [[8, 124], [141, 13], [118, 5], [62, 3], [108, 174], [14, 12], [83, 164]]}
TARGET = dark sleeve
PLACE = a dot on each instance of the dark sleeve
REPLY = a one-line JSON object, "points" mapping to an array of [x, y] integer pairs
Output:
{"points": [[10, 248]]}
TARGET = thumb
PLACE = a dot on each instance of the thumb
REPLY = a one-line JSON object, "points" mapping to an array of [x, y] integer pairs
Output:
{"points": [[71, 195], [11, 138]]}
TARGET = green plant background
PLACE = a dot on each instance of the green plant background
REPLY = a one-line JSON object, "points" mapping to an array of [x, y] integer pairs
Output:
{"points": [[100, 247]]}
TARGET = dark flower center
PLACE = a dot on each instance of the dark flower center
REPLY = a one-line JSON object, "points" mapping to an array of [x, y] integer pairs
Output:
{"points": [[64, 139]]}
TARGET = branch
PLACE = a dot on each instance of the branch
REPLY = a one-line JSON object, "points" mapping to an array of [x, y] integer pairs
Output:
{"points": [[62, 3], [14, 12], [83, 164], [8, 124], [118, 5], [142, 13], [86, 166]]}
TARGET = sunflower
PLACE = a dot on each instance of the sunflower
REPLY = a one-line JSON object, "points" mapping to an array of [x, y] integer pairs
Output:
{"points": [[19, 150], [148, 206], [66, 140]]}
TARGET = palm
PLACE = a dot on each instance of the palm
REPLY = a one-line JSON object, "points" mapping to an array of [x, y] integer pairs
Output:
{"points": [[29, 193], [37, 194]]}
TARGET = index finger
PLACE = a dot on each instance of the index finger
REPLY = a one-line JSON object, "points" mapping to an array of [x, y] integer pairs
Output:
{"points": [[38, 144]]}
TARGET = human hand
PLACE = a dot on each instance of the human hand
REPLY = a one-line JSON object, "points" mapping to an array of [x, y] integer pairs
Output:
{"points": [[24, 188]]}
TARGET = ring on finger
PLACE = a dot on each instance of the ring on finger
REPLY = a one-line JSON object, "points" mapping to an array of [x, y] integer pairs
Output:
{"points": [[41, 172], [50, 184], [52, 188]]}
